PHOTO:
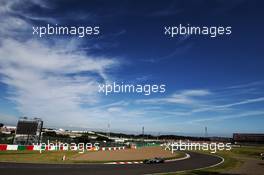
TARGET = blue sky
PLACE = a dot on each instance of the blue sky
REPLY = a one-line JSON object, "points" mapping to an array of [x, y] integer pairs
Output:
{"points": [[214, 82]]}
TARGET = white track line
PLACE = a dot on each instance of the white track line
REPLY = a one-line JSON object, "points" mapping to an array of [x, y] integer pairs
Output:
{"points": [[223, 160], [187, 156]]}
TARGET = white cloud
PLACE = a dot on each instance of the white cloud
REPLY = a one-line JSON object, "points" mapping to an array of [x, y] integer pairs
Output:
{"points": [[232, 116], [196, 92], [43, 58], [227, 106], [186, 97], [44, 80], [40, 84]]}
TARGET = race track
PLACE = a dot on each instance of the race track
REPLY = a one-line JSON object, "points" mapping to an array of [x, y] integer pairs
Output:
{"points": [[196, 161]]}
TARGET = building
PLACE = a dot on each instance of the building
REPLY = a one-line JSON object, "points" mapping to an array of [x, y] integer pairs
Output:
{"points": [[7, 129], [28, 131], [249, 138]]}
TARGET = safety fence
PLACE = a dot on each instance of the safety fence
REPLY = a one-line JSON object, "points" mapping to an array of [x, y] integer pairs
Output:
{"points": [[7, 147]]}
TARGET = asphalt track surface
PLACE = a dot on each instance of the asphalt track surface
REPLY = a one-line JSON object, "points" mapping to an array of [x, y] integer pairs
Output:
{"points": [[196, 161]]}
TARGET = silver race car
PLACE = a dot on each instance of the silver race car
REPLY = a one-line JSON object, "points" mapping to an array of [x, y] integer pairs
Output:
{"points": [[154, 160]]}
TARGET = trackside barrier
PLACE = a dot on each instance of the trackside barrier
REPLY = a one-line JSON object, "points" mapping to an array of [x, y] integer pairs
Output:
{"points": [[6, 147], [111, 148]]}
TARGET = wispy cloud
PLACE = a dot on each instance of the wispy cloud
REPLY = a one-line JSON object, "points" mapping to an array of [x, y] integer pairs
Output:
{"points": [[247, 85], [51, 80], [225, 106], [186, 97], [227, 117], [196, 103], [177, 52], [46, 81]]}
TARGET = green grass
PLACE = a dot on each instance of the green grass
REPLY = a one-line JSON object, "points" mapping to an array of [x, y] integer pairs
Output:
{"points": [[36, 156], [249, 151]]}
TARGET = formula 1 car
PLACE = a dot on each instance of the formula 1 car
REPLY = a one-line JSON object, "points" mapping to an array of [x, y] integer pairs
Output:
{"points": [[154, 160]]}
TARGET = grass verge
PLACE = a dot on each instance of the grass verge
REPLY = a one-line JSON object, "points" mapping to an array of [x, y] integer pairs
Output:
{"points": [[232, 160]]}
